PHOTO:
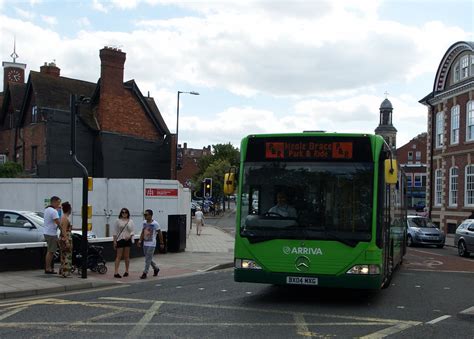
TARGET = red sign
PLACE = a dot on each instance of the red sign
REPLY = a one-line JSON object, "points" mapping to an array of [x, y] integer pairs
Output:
{"points": [[161, 192]]}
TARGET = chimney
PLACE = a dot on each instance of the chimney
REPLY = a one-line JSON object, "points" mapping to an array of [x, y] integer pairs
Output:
{"points": [[111, 70], [185, 145], [50, 69]]}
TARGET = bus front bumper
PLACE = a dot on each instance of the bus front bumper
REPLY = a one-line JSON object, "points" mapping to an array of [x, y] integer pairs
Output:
{"points": [[373, 281]]}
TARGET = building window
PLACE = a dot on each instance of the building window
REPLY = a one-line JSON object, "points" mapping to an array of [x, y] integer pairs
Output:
{"points": [[465, 66], [418, 156], [472, 65], [418, 181], [410, 156], [438, 186], [439, 129], [453, 186], [469, 188], [456, 72], [34, 114], [34, 157], [409, 180], [455, 124], [470, 121]]}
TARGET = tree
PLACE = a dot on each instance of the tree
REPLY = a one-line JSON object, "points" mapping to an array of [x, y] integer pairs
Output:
{"points": [[215, 166], [10, 170]]}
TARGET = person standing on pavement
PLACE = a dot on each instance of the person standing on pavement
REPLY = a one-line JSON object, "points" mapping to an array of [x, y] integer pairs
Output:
{"points": [[65, 241], [148, 240], [51, 224], [123, 235], [199, 217]]}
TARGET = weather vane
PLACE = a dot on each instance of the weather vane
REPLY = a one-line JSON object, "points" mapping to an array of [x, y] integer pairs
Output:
{"points": [[14, 55]]}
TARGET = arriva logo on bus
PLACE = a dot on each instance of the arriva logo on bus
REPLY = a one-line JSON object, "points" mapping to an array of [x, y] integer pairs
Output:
{"points": [[302, 250]]}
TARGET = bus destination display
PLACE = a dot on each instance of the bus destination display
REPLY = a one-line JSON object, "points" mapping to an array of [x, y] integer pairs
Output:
{"points": [[290, 150]]}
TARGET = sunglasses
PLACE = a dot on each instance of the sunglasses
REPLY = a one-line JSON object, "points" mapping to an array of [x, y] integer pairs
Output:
{"points": [[123, 212], [145, 214]]}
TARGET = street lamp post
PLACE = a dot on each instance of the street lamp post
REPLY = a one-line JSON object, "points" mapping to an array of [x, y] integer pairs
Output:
{"points": [[177, 129]]}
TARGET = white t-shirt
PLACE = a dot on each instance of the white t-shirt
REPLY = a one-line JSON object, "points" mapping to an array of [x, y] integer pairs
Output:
{"points": [[50, 227], [198, 215], [149, 233]]}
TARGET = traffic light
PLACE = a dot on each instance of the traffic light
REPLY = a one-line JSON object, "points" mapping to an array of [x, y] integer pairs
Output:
{"points": [[207, 187]]}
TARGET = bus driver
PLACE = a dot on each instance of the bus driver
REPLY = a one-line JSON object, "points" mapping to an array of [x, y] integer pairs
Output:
{"points": [[282, 208]]}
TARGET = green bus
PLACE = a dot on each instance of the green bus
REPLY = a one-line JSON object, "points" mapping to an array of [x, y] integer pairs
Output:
{"points": [[322, 209]]}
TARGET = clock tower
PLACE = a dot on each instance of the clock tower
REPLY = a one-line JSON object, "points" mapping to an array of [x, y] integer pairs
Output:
{"points": [[13, 71]]}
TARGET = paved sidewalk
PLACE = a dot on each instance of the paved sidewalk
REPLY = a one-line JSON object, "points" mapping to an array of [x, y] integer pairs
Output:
{"points": [[213, 249]]}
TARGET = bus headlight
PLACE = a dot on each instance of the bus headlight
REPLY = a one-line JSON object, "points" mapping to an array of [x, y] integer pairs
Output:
{"points": [[364, 269], [247, 264]]}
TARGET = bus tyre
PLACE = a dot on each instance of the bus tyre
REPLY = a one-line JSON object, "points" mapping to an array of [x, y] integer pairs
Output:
{"points": [[462, 251]]}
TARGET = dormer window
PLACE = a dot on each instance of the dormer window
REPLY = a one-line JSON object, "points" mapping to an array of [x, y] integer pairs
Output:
{"points": [[465, 66], [34, 114], [456, 72]]}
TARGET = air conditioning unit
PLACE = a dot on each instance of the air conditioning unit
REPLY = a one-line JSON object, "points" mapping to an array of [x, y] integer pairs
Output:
{"points": [[3, 159]]}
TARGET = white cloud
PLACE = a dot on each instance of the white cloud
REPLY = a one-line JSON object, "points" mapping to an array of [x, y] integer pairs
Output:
{"points": [[50, 20], [99, 6], [84, 22], [24, 14]]}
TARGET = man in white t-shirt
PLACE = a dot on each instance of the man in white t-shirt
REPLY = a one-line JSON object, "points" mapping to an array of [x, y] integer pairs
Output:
{"points": [[148, 239], [51, 224]]}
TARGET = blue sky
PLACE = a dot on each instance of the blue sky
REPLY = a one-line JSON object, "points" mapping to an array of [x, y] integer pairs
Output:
{"points": [[259, 66]]}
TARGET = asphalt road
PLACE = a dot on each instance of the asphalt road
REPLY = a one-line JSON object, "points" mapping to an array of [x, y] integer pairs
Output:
{"points": [[423, 301]]}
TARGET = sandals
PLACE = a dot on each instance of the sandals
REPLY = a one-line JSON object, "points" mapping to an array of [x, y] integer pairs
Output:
{"points": [[125, 274], [118, 275]]}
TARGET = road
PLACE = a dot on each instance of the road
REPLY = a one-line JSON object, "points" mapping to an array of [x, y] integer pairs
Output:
{"points": [[424, 300]]}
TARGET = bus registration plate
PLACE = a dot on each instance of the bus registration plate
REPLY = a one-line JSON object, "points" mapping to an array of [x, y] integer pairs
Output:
{"points": [[302, 280]]}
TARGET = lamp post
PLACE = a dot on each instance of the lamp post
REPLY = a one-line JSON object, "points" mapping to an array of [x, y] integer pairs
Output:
{"points": [[177, 129]]}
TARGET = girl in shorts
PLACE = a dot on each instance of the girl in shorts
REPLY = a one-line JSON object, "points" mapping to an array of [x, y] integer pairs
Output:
{"points": [[123, 237]]}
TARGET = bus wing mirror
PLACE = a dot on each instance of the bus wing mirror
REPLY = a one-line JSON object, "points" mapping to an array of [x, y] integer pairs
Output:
{"points": [[391, 171], [229, 183]]}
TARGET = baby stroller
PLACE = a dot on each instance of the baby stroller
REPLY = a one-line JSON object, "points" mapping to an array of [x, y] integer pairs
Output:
{"points": [[95, 260]]}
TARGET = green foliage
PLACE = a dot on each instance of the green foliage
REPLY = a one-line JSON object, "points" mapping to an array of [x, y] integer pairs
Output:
{"points": [[215, 165], [10, 170]]}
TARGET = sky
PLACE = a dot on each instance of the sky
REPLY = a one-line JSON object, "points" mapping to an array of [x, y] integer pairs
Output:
{"points": [[263, 66]]}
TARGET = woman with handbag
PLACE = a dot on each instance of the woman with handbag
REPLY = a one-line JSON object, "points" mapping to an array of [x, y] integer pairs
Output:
{"points": [[123, 236], [65, 241]]}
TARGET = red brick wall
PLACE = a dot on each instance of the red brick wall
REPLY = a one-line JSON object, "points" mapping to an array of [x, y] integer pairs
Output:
{"points": [[121, 113], [119, 110]]}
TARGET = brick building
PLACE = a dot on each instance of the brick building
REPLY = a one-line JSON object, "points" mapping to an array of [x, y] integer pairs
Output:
{"points": [[119, 134], [190, 159], [450, 142], [412, 158]]}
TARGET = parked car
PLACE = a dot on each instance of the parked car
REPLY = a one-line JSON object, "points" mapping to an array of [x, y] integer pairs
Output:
{"points": [[422, 231], [20, 227], [464, 238]]}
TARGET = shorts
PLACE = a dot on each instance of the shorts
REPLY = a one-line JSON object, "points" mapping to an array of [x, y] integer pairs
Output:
{"points": [[51, 242], [124, 243]]}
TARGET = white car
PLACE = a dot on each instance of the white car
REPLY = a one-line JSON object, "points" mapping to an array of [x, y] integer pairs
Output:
{"points": [[20, 227], [24, 227]]}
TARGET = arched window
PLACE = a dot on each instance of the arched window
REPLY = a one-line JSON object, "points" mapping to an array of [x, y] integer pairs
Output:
{"points": [[469, 186], [438, 186], [453, 186], [470, 121]]}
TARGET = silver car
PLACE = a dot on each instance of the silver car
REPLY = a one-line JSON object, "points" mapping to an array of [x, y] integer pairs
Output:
{"points": [[464, 238], [422, 231], [20, 227]]}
